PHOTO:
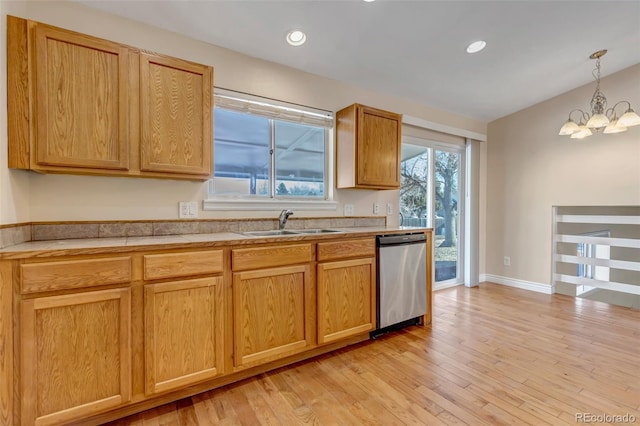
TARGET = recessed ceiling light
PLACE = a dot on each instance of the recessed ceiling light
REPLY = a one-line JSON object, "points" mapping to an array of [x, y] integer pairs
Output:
{"points": [[296, 37], [369, 1], [476, 46]]}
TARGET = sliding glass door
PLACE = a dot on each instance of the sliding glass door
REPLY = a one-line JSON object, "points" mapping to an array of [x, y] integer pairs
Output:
{"points": [[431, 195]]}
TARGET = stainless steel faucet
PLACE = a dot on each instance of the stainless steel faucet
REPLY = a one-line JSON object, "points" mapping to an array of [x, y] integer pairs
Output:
{"points": [[282, 219]]}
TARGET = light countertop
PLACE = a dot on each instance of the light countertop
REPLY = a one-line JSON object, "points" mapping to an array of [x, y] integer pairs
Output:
{"points": [[85, 246]]}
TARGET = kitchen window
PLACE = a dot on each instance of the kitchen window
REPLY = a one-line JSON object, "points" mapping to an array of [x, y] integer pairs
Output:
{"points": [[268, 153]]}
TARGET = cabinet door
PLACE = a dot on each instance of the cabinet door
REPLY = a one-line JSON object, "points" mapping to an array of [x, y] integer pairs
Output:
{"points": [[378, 148], [176, 123], [346, 298], [271, 307], [75, 355], [81, 105], [183, 332]]}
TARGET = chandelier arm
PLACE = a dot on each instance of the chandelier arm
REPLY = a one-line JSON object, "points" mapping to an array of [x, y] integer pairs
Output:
{"points": [[611, 112], [584, 116], [622, 102]]}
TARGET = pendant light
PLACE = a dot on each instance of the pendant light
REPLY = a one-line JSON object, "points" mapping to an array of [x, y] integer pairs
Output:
{"points": [[600, 118]]}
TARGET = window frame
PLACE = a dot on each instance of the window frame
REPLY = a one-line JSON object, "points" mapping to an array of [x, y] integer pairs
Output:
{"points": [[287, 112]]}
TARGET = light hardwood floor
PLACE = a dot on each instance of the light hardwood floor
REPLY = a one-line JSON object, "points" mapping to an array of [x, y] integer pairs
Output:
{"points": [[494, 355]]}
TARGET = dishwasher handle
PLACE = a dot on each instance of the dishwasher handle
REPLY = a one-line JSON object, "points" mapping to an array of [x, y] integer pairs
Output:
{"points": [[400, 239]]}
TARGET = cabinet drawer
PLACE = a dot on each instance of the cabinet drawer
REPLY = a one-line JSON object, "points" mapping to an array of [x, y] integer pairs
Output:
{"points": [[170, 265], [266, 257], [69, 274], [343, 249]]}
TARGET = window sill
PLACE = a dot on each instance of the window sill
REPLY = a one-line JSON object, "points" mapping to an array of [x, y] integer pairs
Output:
{"points": [[240, 204]]}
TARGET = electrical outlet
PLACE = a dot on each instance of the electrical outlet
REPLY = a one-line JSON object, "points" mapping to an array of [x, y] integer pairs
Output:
{"points": [[376, 208], [389, 209], [507, 261], [188, 209], [348, 209]]}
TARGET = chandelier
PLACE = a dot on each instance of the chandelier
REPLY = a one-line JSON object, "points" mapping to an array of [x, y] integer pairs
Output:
{"points": [[600, 117]]}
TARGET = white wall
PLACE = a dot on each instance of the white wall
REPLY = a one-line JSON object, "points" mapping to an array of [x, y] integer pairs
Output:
{"points": [[530, 169], [26, 196], [14, 186]]}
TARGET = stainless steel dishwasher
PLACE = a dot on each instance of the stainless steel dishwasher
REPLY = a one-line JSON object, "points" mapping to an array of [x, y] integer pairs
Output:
{"points": [[401, 280]]}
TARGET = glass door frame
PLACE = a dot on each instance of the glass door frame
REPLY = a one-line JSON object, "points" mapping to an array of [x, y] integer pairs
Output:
{"points": [[431, 204]]}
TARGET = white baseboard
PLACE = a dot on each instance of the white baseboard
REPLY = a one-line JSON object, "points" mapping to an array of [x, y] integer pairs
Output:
{"points": [[512, 282], [443, 286]]}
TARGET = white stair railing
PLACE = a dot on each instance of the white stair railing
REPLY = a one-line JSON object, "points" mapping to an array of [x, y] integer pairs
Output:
{"points": [[596, 247]]}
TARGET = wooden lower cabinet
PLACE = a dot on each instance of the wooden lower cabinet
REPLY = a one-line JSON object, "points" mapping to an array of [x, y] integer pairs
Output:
{"points": [[172, 322], [271, 314], [75, 355], [183, 333], [346, 298]]}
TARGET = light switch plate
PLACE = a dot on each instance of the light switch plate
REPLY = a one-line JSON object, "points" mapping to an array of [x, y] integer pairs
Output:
{"points": [[348, 209], [389, 209], [188, 210]]}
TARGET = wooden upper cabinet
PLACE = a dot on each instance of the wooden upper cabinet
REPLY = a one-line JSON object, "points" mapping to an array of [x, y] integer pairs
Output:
{"points": [[368, 148], [81, 100], [80, 104], [78, 114], [176, 116]]}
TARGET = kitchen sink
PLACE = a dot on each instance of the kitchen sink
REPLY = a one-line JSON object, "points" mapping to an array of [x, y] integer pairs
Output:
{"points": [[288, 232], [269, 233], [315, 231]]}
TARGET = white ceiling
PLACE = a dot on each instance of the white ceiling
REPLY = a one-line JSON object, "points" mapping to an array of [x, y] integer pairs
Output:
{"points": [[416, 49]]}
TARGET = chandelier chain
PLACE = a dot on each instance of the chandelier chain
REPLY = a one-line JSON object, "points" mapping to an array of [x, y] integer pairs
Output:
{"points": [[598, 101]]}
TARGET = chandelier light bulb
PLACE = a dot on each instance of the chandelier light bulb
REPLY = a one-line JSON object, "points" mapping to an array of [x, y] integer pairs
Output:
{"points": [[598, 120], [583, 133], [569, 128], [629, 118], [614, 127]]}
